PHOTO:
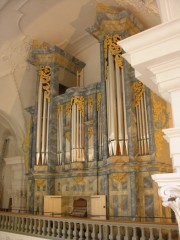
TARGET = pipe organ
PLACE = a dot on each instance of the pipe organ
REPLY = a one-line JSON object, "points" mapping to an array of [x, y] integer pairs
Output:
{"points": [[43, 115], [116, 106], [75, 131], [141, 118], [98, 139], [74, 122]]}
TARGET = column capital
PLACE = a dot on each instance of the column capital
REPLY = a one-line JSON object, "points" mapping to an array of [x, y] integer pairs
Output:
{"points": [[169, 191]]}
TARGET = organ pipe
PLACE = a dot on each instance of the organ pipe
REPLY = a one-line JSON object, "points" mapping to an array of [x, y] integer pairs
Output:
{"points": [[142, 120], [112, 107], [59, 135], [39, 122], [125, 147], [120, 108], [47, 134], [44, 127]]}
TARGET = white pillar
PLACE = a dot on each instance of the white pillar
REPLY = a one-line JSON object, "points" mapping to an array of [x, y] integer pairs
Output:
{"points": [[169, 9], [155, 56]]}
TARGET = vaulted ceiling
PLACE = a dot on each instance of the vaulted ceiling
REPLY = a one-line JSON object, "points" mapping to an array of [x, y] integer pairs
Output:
{"points": [[58, 22]]}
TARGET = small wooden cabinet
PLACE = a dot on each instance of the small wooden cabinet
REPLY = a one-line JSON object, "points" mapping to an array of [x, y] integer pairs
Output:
{"points": [[54, 204]]}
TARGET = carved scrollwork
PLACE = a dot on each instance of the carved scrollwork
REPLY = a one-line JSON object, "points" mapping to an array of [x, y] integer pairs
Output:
{"points": [[45, 76], [79, 100], [99, 99], [138, 91], [111, 43], [90, 132], [90, 101]]}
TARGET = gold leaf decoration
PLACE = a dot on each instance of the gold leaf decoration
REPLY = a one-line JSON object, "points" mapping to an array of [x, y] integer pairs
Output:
{"points": [[59, 108], [111, 43], [90, 101], [78, 179], [79, 100], [161, 119], [90, 132], [45, 76], [99, 99], [68, 136], [40, 182], [118, 176], [138, 91]]}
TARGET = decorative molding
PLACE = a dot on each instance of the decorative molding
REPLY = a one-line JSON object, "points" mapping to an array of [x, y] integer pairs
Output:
{"points": [[149, 6], [169, 191]]}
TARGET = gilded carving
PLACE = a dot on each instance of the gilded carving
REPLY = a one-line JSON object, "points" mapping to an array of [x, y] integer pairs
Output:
{"points": [[60, 108], [99, 99], [45, 76], [40, 182], [90, 132], [79, 100], [90, 101], [118, 176], [111, 43], [138, 91], [26, 143], [160, 117], [78, 179], [68, 136]]}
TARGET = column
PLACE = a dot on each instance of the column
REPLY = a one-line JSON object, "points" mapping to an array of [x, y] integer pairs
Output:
{"points": [[155, 56]]}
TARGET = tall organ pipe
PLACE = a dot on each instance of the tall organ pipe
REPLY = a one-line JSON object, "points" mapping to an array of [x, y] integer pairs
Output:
{"points": [[146, 123], [47, 135], [39, 122], [113, 110], [120, 107], [124, 115], [44, 126]]}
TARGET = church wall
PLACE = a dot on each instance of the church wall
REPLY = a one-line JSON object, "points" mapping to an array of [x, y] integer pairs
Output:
{"points": [[92, 70]]}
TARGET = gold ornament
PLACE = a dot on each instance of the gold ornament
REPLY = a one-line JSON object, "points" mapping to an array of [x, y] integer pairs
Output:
{"points": [[111, 43], [45, 76], [138, 91], [99, 99]]}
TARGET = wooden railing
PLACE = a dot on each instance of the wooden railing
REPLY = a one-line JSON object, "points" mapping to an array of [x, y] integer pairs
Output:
{"points": [[84, 229]]}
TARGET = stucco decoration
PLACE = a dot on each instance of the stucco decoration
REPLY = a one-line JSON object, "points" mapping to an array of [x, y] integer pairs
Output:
{"points": [[143, 10]]}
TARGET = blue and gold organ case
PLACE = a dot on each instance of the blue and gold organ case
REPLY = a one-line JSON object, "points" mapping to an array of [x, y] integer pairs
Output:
{"points": [[101, 139]]}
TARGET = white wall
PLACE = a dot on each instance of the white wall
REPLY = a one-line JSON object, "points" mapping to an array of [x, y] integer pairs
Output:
{"points": [[92, 70]]}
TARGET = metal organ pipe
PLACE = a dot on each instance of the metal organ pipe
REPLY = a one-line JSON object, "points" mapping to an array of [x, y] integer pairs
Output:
{"points": [[120, 107], [59, 136], [44, 127], [142, 125], [124, 116], [113, 110], [146, 123], [39, 122], [47, 133]]}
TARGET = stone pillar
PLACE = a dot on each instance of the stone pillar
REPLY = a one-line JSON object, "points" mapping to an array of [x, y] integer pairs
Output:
{"points": [[155, 56]]}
